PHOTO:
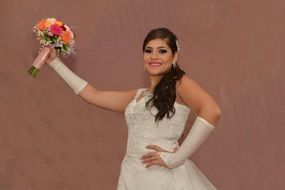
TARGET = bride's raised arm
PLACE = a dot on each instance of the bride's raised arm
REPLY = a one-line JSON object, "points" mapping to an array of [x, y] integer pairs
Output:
{"points": [[110, 100]]}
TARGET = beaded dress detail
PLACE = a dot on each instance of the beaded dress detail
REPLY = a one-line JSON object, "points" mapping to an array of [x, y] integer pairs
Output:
{"points": [[143, 131]]}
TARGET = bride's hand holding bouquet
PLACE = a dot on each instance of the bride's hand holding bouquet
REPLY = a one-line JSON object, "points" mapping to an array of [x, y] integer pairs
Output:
{"points": [[51, 56]]}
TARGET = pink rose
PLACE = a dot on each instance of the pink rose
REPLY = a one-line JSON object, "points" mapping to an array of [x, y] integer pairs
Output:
{"points": [[56, 30]]}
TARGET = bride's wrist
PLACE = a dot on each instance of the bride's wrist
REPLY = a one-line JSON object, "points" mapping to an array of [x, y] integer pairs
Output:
{"points": [[169, 158], [49, 61]]}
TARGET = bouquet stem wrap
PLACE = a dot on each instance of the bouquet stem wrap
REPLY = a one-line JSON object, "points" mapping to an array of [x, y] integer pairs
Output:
{"points": [[39, 62]]}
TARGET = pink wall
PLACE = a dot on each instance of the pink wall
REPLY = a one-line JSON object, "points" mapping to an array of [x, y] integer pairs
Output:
{"points": [[50, 139]]}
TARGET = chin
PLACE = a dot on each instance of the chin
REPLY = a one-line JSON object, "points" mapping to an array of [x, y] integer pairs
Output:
{"points": [[155, 73]]}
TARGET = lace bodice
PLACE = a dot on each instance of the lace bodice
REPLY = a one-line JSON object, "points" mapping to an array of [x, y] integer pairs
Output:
{"points": [[142, 128]]}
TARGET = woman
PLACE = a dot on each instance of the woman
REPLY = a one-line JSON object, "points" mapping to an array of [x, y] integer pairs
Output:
{"points": [[156, 117]]}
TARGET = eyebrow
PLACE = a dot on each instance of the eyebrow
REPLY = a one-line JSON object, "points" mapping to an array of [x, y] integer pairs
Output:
{"points": [[157, 47]]}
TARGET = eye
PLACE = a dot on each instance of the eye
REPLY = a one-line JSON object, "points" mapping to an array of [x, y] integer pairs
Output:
{"points": [[162, 51], [147, 51]]}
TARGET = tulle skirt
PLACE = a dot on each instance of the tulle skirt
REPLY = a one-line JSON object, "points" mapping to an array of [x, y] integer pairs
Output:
{"points": [[134, 176]]}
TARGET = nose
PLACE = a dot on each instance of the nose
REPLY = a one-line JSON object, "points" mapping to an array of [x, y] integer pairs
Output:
{"points": [[154, 55]]}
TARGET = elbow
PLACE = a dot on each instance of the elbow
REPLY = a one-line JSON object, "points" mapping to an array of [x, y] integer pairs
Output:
{"points": [[217, 112], [214, 111], [211, 113]]}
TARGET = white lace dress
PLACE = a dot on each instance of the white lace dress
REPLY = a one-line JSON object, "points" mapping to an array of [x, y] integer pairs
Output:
{"points": [[142, 131]]}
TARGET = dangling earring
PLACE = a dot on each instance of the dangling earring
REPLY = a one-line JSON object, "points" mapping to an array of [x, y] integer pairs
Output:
{"points": [[174, 65]]}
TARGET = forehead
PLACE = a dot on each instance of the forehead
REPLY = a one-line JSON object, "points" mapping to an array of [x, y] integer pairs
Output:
{"points": [[157, 43]]}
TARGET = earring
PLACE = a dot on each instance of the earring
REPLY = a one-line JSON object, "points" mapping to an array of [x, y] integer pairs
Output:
{"points": [[174, 65], [144, 69]]}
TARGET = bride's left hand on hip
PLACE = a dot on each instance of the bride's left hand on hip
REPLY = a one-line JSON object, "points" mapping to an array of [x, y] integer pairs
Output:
{"points": [[153, 158]]}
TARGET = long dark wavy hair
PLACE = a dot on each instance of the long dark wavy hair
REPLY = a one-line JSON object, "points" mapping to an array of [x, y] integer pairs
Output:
{"points": [[164, 93]]}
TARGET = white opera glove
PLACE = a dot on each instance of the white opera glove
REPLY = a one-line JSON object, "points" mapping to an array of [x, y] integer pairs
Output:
{"points": [[199, 132], [75, 82]]}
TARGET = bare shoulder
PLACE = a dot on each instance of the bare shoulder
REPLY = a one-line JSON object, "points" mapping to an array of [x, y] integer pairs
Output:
{"points": [[186, 83], [192, 94], [130, 93]]}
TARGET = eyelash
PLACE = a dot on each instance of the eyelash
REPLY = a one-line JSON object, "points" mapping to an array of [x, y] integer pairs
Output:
{"points": [[162, 51]]}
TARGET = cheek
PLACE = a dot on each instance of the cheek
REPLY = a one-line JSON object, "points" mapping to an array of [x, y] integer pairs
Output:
{"points": [[146, 58], [167, 59]]}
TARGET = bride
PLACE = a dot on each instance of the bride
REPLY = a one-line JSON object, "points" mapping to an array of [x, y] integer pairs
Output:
{"points": [[156, 118]]}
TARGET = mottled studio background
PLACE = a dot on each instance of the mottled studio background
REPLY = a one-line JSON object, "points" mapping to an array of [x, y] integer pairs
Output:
{"points": [[51, 140]]}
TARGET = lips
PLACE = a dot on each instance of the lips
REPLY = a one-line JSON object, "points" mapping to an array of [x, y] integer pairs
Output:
{"points": [[153, 63]]}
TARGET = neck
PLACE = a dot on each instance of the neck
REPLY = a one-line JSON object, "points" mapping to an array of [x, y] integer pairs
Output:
{"points": [[154, 80]]}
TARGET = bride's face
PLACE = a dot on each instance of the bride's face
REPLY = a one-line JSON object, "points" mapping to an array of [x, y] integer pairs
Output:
{"points": [[158, 57]]}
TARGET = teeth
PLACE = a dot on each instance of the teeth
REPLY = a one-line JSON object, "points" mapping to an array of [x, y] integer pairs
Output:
{"points": [[156, 64]]}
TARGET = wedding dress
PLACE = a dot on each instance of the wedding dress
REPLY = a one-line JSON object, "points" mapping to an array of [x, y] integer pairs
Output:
{"points": [[143, 131]]}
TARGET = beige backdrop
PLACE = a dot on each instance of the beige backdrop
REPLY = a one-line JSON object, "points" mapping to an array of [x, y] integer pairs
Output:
{"points": [[51, 139]]}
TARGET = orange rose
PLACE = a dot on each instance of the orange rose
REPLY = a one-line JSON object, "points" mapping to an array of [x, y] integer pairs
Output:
{"points": [[65, 36], [59, 23], [42, 24]]}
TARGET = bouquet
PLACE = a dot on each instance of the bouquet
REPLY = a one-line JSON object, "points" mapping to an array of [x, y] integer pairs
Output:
{"points": [[51, 33]]}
